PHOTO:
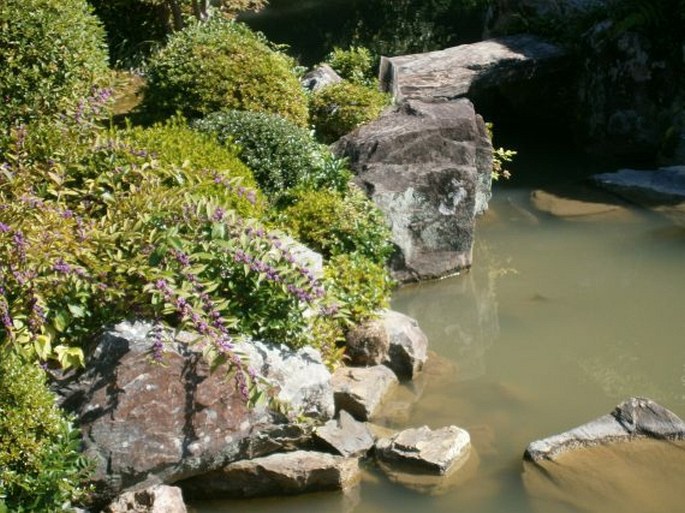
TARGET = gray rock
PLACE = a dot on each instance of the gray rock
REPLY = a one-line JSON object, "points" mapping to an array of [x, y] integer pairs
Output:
{"points": [[394, 340], [426, 451], [345, 436], [360, 390], [156, 499], [648, 188], [428, 168], [320, 77], [288, 473], [636, 418], [468, 70], [145, 423]]}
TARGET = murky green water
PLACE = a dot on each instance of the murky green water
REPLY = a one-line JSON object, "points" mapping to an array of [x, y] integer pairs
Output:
{"points": [[557, 323]]}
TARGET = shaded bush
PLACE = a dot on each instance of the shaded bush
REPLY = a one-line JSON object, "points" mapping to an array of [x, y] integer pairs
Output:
{"points": [[280, 154], [337, 109], [222, 65], [52, 53], [334, 224], [41, 468]]}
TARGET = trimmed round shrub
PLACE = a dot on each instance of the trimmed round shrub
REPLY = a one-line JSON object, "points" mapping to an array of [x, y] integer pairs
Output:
{"points": [[222, 65], [280, 154], [40, 464], [333, 224], [337, 109], [52, 54]]}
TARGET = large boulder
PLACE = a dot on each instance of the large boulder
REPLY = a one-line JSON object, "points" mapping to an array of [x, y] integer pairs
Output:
{"points": [[289, 473], [428, 166], [394, 340], [636, 418], [145, 423], [469, 70]]}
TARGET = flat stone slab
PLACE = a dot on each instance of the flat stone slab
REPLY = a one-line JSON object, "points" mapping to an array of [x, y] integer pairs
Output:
{"points": [[346, 436], [360, 390], [425, 451], [636, 418], [664, 186], [289, 473], [465, 69]]}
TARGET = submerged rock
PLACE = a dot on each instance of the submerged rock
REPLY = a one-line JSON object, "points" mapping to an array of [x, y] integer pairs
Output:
{"points": [[144, 423], [394, 340], [360, 390], [345, 435], [427, 166], [287, 473], [156, 499], [636, 418]]}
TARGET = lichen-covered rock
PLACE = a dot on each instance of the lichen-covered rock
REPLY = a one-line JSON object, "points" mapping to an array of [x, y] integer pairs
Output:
{"points": [[361, 390], [287, 473], [636, 418], [156, 499], [320, 77], [428, 167], [394, 340], [144, 423]]}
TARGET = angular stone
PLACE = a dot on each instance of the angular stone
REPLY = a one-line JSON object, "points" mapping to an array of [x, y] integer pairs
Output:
{"points": [[360, 390], [427, 166], [665, 186], [394, 340], [422, 450], [155, 499], [144, 423], [467, 70], [345, 435], [287, 473], [320, 77], [636, 418]]}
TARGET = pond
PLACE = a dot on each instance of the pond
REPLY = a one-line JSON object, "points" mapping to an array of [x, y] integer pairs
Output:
{"points": [[558, 321]]}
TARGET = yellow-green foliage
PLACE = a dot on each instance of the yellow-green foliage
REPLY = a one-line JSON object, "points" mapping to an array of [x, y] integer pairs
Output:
{"points": [[354, 64], [221, 65], [332, 224], [52, 52], [337, 109], [40, 466]]}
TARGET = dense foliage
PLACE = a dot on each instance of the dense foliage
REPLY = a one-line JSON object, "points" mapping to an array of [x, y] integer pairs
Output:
{"points": [[354, 64], [40, 465], [222, 65], [338, 109], [280, 154], [52, 53]]}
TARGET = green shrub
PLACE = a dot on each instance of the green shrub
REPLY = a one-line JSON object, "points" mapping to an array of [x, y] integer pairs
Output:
{"points": [[280, 154], [40, 465], [52, 53], [361, 286], [222, 65], [334, 224], [337, 109], [354, 64]]}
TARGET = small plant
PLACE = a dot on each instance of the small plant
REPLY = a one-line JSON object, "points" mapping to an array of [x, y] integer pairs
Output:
{"points": [[41, 468], [223, 65], [334, 224], [500, 157], [338, 109], [280, 154], [354, 65]]}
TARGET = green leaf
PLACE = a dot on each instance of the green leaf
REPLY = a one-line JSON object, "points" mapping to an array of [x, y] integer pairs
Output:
{"points": [[76, 311], [61, 320], [69, 356], [43, 346]]}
